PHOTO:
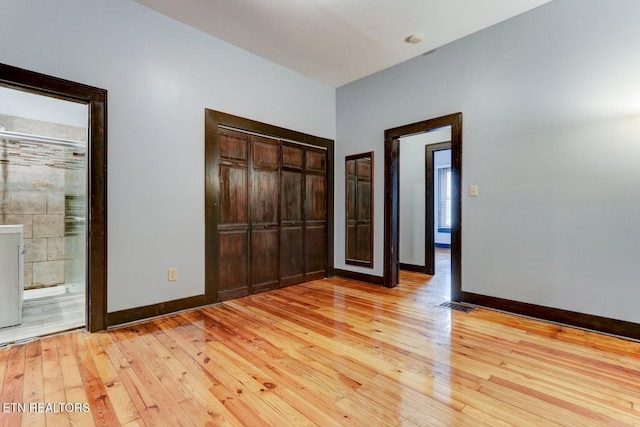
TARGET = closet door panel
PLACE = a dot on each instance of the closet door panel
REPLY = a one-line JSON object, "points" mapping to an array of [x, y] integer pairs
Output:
{"points": [[264, 206], [233, 145], [265, 151], [291, 255], [316, 161], [233, 195], [315, 240], [315, 198], [233, 264], [292, 221], [315, 232], [264, 197], [233, 211], [264, 230], [292, 156], [291, 197], [264, 259]]}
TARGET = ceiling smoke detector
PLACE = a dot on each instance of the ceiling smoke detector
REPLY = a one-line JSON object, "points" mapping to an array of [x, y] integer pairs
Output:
{"points": [[413, 39]]}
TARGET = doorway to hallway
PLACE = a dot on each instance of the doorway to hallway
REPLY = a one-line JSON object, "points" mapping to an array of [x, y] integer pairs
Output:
{"points": [[392, 223]]}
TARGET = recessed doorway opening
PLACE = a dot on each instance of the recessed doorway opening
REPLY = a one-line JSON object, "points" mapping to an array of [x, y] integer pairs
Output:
{"points": [[451, 124], [425, 199]]}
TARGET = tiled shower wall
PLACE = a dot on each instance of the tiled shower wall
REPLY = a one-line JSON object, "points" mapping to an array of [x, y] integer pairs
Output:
{"points": [[41, 187]]}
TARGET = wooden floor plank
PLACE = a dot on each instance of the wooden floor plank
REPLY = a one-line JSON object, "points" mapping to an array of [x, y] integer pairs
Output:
{"points": [[13, 386], [331, 352], [404, 401], [56, 418], [33, 392], [196, 390], [308, 390], [165, 400], [574, 383]]}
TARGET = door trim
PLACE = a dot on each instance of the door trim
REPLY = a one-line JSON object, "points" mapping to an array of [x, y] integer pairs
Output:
{"points": [[392, 195], [96, 99], [213, 119]]}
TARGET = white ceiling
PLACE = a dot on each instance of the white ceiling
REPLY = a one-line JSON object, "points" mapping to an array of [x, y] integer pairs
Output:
{"points": [[338, 41]]}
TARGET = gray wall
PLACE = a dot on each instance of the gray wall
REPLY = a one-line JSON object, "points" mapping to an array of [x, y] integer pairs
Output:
{"points": [[160, 75], [551, 105]]}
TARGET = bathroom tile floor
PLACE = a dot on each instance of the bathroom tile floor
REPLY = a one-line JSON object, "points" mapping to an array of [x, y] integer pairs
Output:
{"points": [[45, 316]]}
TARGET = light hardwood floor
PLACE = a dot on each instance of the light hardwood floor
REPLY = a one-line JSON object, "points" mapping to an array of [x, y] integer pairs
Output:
{"points": [[330, 352]]}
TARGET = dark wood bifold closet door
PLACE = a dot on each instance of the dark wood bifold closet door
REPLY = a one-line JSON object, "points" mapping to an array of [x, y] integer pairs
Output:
{"points": [[264, 202], [272, 227], [292, 225], [233, 223], [315, 224]]}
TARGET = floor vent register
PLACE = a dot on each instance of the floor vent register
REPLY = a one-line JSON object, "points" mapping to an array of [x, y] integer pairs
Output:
{"points": [[457, 306]]}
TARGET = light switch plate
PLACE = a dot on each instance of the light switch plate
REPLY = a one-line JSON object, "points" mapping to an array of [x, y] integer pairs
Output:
{"points": [[473, 190]]}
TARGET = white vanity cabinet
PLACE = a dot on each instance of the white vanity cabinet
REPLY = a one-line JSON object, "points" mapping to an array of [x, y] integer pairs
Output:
{"points": [[11, 274]]}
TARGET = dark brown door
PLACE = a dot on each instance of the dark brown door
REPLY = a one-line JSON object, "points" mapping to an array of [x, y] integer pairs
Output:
{"points": [[272, 226], [264, 205], [292, 226], [233, 221], [315, 221], [268, 207]]}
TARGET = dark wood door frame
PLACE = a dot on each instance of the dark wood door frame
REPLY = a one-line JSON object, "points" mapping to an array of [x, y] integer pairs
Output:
{"points": [[96, 100], [214, 119], [429, 234], [392, 196]]}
